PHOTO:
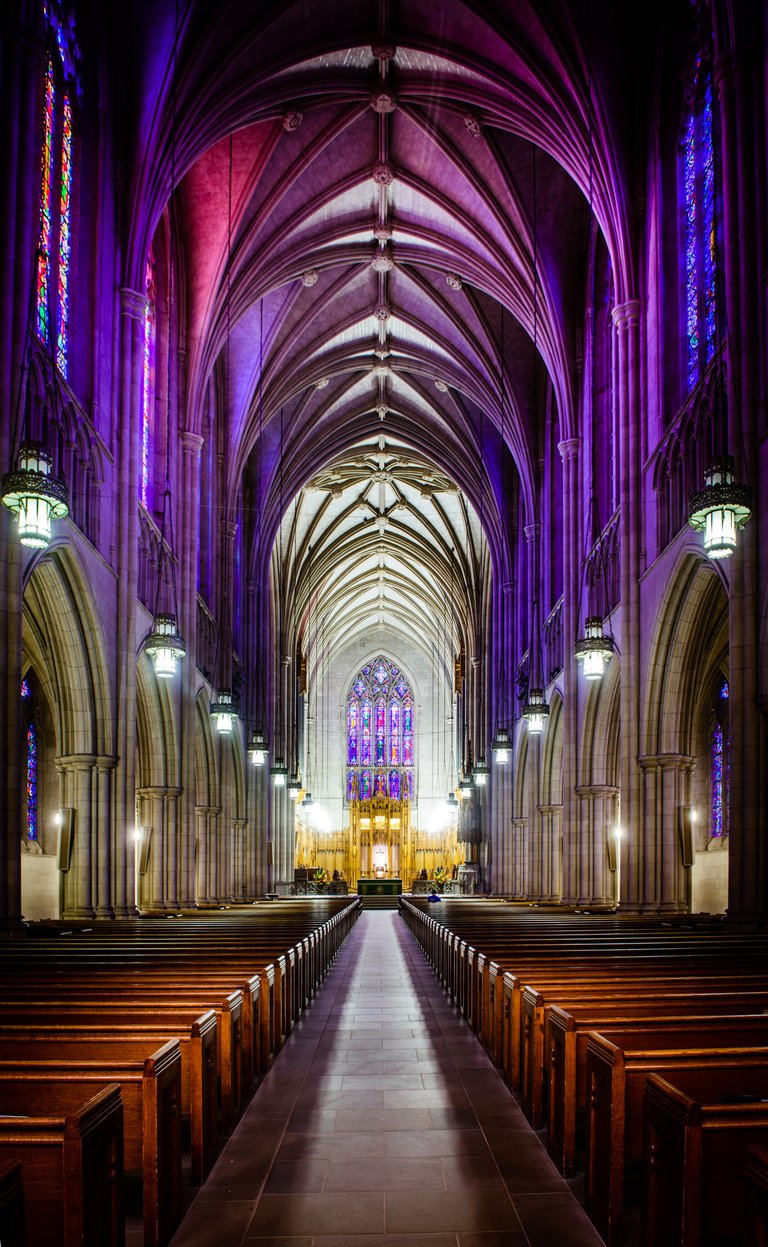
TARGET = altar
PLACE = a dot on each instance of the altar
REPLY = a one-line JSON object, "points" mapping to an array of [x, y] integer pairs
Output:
{"points": [[379, 887]]}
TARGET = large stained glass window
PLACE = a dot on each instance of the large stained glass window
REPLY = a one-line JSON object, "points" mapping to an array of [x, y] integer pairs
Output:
{"points": [[147, 381], [720, 765], [380, 722], [65, 246], [45, 234], [32, 782], [699, 191]]}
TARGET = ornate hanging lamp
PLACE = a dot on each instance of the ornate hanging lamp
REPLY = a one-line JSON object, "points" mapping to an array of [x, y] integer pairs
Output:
{"points": [[165, 645], [535, 711], [279, 773], [480, 774], [258, 750], [721, 508], [34, 495], [594, 649], [500, 746]]}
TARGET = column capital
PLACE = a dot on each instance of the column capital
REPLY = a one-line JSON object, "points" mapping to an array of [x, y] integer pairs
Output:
{"points": [[667, 762], [106, 763], [133, 303], [508, 588], [597, 790], [76, 762], [569, 448], [532, 532], [627, 315], [191, 442]]}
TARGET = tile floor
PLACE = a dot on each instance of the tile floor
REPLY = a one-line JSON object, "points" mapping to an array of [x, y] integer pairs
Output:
{"points": [[383, 1123]]}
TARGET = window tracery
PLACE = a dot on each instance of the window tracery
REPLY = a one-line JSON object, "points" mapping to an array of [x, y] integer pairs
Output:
{"points": [[699, 192], [380, 726]]}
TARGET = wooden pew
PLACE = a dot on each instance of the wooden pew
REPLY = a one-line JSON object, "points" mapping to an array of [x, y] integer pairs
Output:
{"points": [[150, 1090], [11, 1205], [95, 1035], [567, 1031], [71, 1158], [756, 1181], [617, 1066], [697, 1130]]}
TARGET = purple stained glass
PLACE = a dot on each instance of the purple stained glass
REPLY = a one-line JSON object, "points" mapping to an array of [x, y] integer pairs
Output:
{"points": [[365, 748], [65, 246], [351, 785], [394, 785], [408, 732], [31, 782], [717, 781], [394, 733], [352, 733], [45, 232], [401, 688], [380, 784], [699, 187], [26, 691], [709, 239], [146, 382], [359, 686], [366, 785], [724, 691], [381, 730], [408, 784], [691, 266], [380, 672]]}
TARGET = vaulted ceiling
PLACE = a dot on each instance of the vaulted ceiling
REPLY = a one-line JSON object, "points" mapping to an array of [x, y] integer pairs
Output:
{"points": [[383, 275]]}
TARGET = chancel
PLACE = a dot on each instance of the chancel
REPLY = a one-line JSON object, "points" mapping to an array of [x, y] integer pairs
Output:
{"points": [[383, 435]]}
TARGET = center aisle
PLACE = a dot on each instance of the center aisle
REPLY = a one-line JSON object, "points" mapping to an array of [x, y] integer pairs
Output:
{"points": [[383, 1123]]}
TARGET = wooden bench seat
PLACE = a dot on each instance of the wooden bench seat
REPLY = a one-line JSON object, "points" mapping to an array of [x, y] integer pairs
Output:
{"points": [[617, 1067], [71, 1158], [12, 1232], [756, 1196], [698, 1127], [91, 1037], [150, 1090]]}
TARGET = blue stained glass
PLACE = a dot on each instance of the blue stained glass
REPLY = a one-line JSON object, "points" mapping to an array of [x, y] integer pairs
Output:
{"points": [[352, 732], [380, 784], [401, 688], [26, 691], [708, 222], [691, 267], [366, 785], [351, 785], [700, 229], [380, 672], [724, 691], [394, 733], [394, 785], [365, 751], [379, 732], [31, 782], [717, 781], [359, 687]]}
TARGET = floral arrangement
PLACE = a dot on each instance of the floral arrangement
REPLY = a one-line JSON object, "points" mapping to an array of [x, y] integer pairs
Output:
{"points": [[441, 874], [321, 875]]}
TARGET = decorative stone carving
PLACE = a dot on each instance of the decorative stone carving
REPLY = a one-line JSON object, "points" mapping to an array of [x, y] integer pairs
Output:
{"points": [[292, 119], [441, 386], [383, 102], [382, 410], [382, 352], [310, 278], [382, 312], [322, 383], [382, 233], [383, 51], [454, 282], [383, 174], [473, 125], [382, 262]]}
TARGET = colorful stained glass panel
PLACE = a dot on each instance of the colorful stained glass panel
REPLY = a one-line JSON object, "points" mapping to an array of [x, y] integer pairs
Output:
{"points": [[365, 748], [43, 298], [31, 782], [65, 248], [352, 733]]}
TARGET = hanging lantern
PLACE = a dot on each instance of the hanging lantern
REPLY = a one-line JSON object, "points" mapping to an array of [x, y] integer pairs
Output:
{"points": [[308, 802], [294, 787], [34, 495], [279, 773], [593, 649], [535, 711], [720, 508], [500, 746], [223, 713], [465, 787], [480, 774], [165, 646], [452, 800], [257, 749]]}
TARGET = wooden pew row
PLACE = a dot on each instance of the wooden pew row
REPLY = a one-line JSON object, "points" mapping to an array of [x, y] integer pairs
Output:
{"points": [[698, 1127], [568, 1031], [643, 998], [127, 1035], [617, 1066], [71, 1158], [756, 1182], [150, 1089], [12, 1232]]}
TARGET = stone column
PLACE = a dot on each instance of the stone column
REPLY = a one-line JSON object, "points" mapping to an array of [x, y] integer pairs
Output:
{"points": [[102, 838], [239, 873], [520, 858], [187, 885], [76, 787], [572, 841], [626, 318], [667, 787], [597, 819], [741, 126], [132, 305], [154, 821]]}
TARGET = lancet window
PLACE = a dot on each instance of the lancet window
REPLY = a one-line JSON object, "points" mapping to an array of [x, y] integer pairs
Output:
{"points": [[699, 170], [380, 727], [147, 379], [720, 765]]}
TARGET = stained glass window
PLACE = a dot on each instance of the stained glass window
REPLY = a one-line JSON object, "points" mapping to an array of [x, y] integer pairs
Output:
{"points": [[45, 234], [379, 732], [699, 191], [720, 765], [26, 690], [32, 782], [65, 208], [147, 377]]}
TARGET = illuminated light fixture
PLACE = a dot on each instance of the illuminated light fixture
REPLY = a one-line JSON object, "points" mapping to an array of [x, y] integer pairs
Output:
{"points": [[594, 649], [480, 775], [223, 712], [535, 711], [308, 802], [465, 787], [34, 495], [500, 746], [452, 800], [279, 773], [294, 787], [165, 646], [258, 749], [720, 509]]}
